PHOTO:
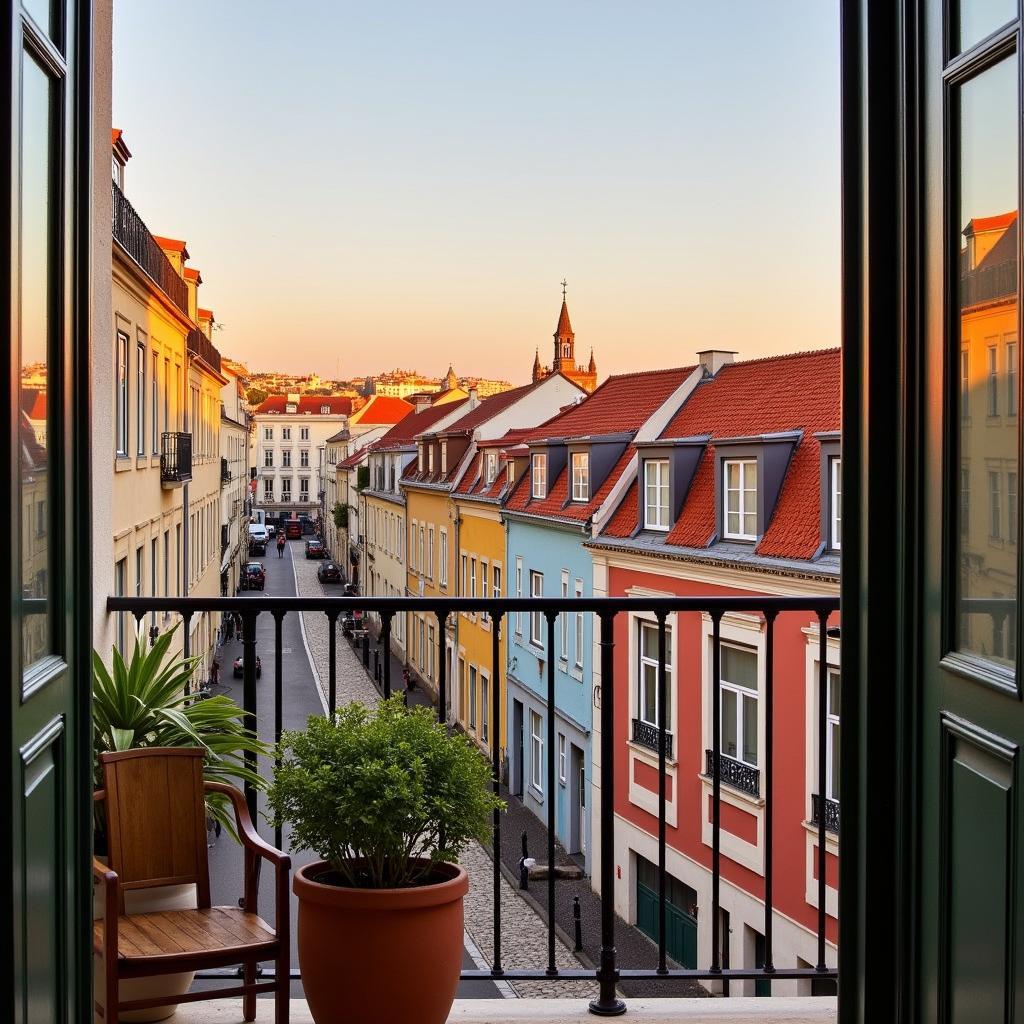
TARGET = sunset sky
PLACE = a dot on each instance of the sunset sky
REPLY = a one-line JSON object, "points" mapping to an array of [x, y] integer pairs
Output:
{"points": [[367, 186]]}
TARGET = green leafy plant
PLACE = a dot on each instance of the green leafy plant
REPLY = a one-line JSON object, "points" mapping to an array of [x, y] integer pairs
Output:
{"points": [[383, 795], [362, 478], [142, 703], [340, 513]]}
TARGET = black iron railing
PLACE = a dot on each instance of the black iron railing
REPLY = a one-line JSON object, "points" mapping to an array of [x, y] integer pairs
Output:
{"points": [[646, 735], [605, 610], [734, 773], [986, 284], [175, 458], [131, 233], [225, 472], [200, 345], [831, 813]]}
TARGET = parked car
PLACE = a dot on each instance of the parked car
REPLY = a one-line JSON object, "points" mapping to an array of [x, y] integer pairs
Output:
{"points": [[329, 572], [293, 529], [239, 667], [271, 529], [315, 549], [254, 577], [257, 545]]}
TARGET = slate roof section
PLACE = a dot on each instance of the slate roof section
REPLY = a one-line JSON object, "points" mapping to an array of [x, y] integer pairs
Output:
{"points": [[799, 392], [337, 405], [404, 432]]}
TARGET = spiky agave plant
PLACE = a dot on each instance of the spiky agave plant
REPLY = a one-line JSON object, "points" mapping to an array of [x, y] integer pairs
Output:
{"points": [[142, 703]]}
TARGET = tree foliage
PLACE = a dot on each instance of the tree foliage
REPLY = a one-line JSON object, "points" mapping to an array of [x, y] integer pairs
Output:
{"points": [[340, 513], [382, 795], [256, 396]]}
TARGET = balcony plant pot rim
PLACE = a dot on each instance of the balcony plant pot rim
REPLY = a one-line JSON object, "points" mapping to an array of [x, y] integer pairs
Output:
{"points": [[348, 939]]}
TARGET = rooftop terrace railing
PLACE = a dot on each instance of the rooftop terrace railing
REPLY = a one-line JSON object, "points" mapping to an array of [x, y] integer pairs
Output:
{"points": [[608, 972]]}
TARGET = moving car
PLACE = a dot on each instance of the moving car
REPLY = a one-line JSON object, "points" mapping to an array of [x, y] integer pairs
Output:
{"points": [[329, 572], [239, 667], [257, 539], [293, 529], [315, 549], [254, 577]]}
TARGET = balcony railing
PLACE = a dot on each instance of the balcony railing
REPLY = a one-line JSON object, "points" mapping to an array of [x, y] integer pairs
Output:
{"points": [[225, 472], [131, 233], [734, 773], [200, 345], [831, 813], [608, 973], [175, 458], [646, 735], [986, 284]]}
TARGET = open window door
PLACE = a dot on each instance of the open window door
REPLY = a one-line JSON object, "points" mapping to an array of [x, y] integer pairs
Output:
{"points": [[46, 590], [932, 889]]}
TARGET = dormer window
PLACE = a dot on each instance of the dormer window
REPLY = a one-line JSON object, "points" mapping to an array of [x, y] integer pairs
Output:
{"points": [[430, 459], [490, 467], [835, 512], [325, 410], [291, 407], [444, 456], [509, 474], [419, 458], [656, 494], [739, 482], [539, 475], [580, 476]]}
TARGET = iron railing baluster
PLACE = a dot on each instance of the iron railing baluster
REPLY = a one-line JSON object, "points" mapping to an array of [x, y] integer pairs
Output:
{"points": [[663, 725], [769, 793], [385, 644], [249, 699], [550, 790], [822, 740], [442, 678], [716, 791], [494, 737], [278, 706]]}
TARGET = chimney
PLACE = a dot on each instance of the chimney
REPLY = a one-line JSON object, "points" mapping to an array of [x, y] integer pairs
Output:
{"points": [[474, 400], [294, 399], [421, 403], [713, 359]]}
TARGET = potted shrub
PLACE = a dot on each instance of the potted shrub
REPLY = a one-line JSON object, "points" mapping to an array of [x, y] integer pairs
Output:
{"points": [[141, 703], [386, 798]]}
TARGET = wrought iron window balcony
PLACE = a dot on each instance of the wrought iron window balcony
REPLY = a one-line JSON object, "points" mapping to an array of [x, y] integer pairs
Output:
{"points": [[200, 345], [734, 773], [831, 813], [175, 458], [646, 735], [265, 703], [225, 472]]}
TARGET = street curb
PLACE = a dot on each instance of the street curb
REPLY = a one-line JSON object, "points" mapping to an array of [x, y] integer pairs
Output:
{"points": [[305, 643]]}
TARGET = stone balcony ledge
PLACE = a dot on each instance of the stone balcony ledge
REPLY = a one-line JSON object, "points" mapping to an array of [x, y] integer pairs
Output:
{"points": [[778, 1010]]}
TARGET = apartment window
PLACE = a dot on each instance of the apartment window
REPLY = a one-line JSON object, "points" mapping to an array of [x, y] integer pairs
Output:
{"points": [[965, 384], [539, 476], [484, 583], [268, 433], [490, 467], [430, 459], [519, 593], [177, 559], [423, 563], [167, 394], [286, 458], [154, 422], [537, 617], [304, 457], [561, 758], [472, 576], [832, 737], [325, 410], [647, 674], [153, 574], [580, 476], [965, 500], [139, 564], [122, 395], [268, 458], [120, 582], [496, 581], [740, 487], [286, 488], [303, 433], [1011, 507], [303, 488], [430, 650], [536, 752], [485, 705], [419, 458], [444, 456], [442, 565], [656, 494], [993, 381], [563, 619], [268, 489], [1011, 378], [835, 510], [579, 627], [167, 564], [739, 704], [995, 505], [286, 433], [472, 697], [140, 398]]}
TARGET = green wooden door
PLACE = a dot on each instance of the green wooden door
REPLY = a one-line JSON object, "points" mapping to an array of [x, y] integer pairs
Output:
{"points": [[46, 399], [680, 927], [969, 942]]}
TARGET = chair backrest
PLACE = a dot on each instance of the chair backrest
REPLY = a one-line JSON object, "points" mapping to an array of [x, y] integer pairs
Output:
{"points": [[156, 818]]}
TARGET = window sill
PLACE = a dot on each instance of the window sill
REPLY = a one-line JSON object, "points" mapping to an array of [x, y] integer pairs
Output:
{"points": [[650, 756], [831, 839], [122, 464], [755, 803]]}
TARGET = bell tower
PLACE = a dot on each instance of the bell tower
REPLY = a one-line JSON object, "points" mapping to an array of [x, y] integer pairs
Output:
{"points": [[565, 340]]}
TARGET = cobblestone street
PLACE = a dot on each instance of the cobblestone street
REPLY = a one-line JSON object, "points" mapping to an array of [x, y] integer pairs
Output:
{"points": [[524, 935]]}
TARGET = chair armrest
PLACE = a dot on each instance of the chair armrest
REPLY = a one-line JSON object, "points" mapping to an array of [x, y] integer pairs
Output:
{"points": [[102, 873], [246, 832]]}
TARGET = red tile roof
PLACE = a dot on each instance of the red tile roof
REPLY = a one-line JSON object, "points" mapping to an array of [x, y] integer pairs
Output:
{"points": [[174, 244], [192, 274], [413, 423], [1000, 220], [205, 314], [382, 409], [762, 396], [488, 408], [337, 405]]}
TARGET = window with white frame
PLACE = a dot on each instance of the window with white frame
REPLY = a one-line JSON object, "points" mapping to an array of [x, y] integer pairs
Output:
{"points": [[430, 650], [140, 399], [537, 617], [472, 698], [485, 706], [412, 547], [995, 505], [740, 704], [1011, 507], [519, 593], [444, 456], [656, 494], [286, 433], [539, 475], [739, 485], [442, 565], [423, 560], [835, 503], [561, 758], [268, 433], [536, 752], [304, 457], [496, 581], [430, 553], [832, 736], [325, 410], [1011, 378], [303, 488], [965, 384], [472, 576], [122, 394], [993, 381], [303, 433], [268, 458], [647, 673], [563, 620], [286, 488], [578, 593], [465, 574], [286, 458], [154, 421], [430, 458], [268, 488], [580, 476], [484, 587], [490, 467]]}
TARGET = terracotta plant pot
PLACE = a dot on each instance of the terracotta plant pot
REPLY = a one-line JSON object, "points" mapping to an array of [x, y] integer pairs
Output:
{"points": [[380, 956]]}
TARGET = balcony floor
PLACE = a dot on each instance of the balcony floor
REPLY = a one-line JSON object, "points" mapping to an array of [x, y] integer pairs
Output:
{"points": [[780, 1010]]}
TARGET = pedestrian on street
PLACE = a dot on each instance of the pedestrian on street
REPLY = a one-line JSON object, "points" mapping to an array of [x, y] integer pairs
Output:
{"points": [[280, 545], [407, 678], [215, 672]]}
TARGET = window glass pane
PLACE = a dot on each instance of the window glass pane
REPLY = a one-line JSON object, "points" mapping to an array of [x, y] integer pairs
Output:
{"points": [[729, 745], [739, 666], [44, 14], [38, 208], [833, 693], [987, 246], [750, 730], [979, 18], [650, 641], [649, 692], [732, 522], [833, 779]]}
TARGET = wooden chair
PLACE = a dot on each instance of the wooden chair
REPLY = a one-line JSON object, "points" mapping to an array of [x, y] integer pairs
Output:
{"points": [[156, 835]]}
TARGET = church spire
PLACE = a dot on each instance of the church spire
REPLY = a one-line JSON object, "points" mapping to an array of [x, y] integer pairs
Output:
{"points": [[450, 380], [592, 368], [565, 339], [537, 372]]}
